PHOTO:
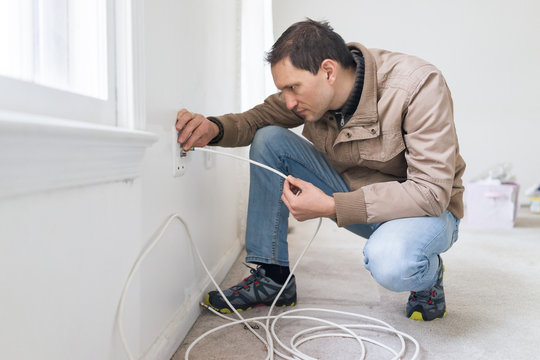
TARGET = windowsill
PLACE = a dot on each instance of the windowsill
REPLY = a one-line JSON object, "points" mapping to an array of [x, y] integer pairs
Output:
{"points": [[42, 153]]}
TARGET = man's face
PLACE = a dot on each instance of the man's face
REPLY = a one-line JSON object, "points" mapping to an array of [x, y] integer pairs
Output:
{"points": [[306, 94]]}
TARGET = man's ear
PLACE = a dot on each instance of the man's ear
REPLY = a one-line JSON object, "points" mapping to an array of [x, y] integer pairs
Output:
{"points": [[329, 67]]}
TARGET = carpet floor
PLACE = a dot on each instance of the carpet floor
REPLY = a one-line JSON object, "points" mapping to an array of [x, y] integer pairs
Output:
{"points": [[492, 286]]}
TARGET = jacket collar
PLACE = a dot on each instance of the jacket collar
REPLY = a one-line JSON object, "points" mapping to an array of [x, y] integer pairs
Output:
{"points": [[366, 112], [364, 123]]}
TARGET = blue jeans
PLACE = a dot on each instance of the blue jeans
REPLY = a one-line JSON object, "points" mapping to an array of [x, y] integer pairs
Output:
{"points": [[401, 254]]}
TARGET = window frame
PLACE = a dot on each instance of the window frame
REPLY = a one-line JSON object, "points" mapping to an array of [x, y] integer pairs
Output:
{"points": [[122, 107]]}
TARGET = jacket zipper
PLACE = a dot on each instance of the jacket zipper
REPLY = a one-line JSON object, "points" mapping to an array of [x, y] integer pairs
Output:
{"points": [[341, 118]]}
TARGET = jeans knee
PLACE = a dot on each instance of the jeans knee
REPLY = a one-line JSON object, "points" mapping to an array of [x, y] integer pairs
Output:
{"points": [[265, 138], [389, 277], [392, 270]]}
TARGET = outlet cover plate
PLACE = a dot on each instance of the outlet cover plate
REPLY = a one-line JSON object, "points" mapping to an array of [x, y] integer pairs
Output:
{"points": [[179, 165]]}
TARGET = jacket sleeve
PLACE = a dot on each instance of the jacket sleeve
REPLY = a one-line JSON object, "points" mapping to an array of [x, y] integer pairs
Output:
{"points": [[239, 129], [431, 150]]}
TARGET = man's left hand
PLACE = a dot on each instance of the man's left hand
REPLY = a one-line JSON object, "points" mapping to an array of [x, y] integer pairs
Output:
{"points": [[306, 201]]}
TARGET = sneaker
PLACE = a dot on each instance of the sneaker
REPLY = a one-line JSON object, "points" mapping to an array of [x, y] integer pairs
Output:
{"points": [[429, 304], [255, 290]]}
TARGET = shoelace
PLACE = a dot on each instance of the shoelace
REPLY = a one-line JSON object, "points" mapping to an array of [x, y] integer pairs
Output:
{"points": [[424, 295], [252, 279]]}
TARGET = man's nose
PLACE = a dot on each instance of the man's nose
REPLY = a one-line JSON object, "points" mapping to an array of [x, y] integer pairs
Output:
{"points": [[290, 101]]}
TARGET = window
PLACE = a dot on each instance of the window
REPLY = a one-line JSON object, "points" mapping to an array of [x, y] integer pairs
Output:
{"points": [[68, 67], [256, 38], [57, 58]]}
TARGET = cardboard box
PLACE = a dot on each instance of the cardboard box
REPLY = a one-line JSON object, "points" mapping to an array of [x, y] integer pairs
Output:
{"points": [[491, 205]]}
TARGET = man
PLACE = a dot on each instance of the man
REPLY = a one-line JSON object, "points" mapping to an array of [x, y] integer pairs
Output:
{"points": [[383, 162]]}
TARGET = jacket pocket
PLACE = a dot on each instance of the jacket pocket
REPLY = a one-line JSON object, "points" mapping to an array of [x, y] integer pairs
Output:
{"points": [[382, 148]]}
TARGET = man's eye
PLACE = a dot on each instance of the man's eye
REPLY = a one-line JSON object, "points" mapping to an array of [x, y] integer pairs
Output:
{"points": [[293, 87]]}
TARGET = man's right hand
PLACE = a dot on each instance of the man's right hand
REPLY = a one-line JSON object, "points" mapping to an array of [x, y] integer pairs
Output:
{"points": [[194, 129]]}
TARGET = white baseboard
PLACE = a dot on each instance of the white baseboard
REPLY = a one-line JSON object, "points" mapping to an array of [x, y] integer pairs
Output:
{"points": [[171, 337]]}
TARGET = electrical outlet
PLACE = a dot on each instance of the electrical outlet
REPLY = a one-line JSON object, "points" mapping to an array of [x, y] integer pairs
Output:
{"points": [[179, 155]]}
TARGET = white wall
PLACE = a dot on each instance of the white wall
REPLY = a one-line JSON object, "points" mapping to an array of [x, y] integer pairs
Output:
{"points": [[488, 51], [192, 61], [66, 253], [64, 256]]}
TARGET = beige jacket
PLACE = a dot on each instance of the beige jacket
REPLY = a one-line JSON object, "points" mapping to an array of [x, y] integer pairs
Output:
{"points": [[399, 152]]}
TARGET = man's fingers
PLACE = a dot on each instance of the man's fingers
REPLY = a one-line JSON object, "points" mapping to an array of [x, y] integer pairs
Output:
{"points": [[288, 195], [182, 118], [189, 128], [296, 185], [193, 140], [193, 131], [201, 135], [290, 206], [287, 191], [299, 183]]}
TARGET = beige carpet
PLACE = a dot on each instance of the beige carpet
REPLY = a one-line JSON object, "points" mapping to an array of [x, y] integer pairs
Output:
{"points": [[492, 285]]}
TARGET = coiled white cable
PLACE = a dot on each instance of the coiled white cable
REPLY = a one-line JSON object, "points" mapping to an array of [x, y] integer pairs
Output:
{"points": [[270, 332]]}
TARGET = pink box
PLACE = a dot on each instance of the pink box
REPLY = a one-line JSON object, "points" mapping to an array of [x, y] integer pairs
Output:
{"points": [[491, 205]]}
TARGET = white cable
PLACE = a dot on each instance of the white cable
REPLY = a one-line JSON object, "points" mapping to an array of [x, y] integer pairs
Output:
{"points": [[298, 339], [136, 266], [243, 159]]}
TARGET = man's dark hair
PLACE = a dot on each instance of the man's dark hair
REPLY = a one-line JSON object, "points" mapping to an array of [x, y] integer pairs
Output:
{"points": [[307, 43]]}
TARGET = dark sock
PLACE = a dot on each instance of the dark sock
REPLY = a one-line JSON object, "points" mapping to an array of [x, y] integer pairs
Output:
{"points": [[276, 272]]}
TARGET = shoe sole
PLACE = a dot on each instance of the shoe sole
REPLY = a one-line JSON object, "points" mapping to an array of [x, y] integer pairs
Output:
{"points": [[228, 311], [417, 315]]}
